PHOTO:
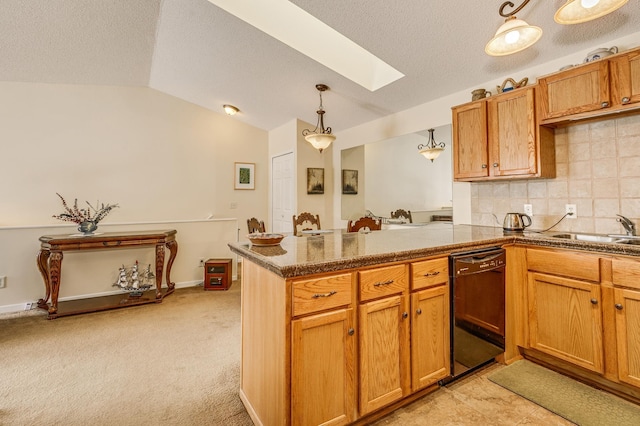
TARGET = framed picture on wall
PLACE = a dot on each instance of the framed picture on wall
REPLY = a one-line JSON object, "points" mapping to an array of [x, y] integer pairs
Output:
{"points": [[349, 181], [315, 181], [245, 176]]}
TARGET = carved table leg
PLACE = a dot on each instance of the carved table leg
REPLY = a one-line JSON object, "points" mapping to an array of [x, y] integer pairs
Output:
{"points": [[55, 267], [173, 250], [159, 267], [43, 266]]}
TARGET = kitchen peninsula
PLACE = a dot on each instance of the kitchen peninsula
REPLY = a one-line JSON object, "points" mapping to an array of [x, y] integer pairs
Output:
{"points": [[342, 328]]}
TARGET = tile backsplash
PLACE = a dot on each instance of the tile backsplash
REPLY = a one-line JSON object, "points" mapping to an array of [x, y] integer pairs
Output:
{"points": [[597, 169]]}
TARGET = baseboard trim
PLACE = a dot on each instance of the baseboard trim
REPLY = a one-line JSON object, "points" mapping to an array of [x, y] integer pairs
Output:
{"points": [[20, 307]]}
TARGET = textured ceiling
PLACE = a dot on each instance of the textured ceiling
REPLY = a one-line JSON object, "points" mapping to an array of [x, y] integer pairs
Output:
{"points": [[196, 51]]}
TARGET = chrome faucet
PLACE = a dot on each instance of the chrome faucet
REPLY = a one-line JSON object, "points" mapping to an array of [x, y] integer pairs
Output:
{"points": [[627, 224]]}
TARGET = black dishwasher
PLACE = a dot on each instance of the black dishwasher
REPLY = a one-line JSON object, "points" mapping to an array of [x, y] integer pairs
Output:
{"points": [[477, 308]]}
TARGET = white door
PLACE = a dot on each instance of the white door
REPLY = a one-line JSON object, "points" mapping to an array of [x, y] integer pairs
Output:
{"points": [[282, 190]]}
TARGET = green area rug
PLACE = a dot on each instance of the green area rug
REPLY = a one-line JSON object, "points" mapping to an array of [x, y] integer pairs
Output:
{"points": [[575, 401]]}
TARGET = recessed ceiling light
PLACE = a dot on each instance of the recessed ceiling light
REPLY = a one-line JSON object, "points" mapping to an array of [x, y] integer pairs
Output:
{"points": [[302, 31]]}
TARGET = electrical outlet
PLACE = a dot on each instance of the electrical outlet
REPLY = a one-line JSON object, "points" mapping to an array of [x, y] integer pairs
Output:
{"points": [[233, 205], [571, 211], [27, 306], [528, 209], [202, 262], [3, 281]]}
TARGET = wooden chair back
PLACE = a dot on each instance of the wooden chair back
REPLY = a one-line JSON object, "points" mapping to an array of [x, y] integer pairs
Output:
{"points": [[254, 225], [304, 222], [367, 223], [402, 214]]}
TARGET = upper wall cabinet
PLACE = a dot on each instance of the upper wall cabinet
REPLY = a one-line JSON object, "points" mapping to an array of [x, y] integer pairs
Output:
{"points": [[601, 87], [498, 138]]}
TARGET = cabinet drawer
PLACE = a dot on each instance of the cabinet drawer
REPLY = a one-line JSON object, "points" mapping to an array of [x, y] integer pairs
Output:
{"points": [[568, 264], [429, 273], [381, 282], [322, 293], [626, 273]]}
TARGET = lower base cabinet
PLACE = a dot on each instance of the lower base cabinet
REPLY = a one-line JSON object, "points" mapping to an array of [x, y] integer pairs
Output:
{"points": [[430, 336], [323, 377], [565, 319], [384, 352], [628, 335]]}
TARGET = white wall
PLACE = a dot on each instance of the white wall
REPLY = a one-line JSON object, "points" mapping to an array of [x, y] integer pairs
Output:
{"points": [[160, 158], [438, 113]]}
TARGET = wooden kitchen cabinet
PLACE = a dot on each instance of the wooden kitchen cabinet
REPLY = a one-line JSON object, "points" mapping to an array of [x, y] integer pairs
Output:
{"points": [[470, 155], [430, 337], [565, 309], [584, 88], [323, 361], [625, 83], [430, 326], [323, 352], [384, 337], [626, 281], [498, 138], [604, 86], [565, 319]]}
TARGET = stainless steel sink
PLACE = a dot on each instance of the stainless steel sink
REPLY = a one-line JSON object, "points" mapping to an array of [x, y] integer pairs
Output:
{"points": [[591, 238]]}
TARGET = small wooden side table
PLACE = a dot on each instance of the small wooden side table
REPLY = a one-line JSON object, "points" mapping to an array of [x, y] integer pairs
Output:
{"points": [[217, 274]]}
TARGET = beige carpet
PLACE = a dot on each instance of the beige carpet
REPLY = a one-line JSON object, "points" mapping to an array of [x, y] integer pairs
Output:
{"points": [[575, 401], [174, 363]]}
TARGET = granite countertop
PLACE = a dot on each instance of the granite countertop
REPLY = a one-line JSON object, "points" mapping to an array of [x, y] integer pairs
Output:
{"points": [[339, 250]]}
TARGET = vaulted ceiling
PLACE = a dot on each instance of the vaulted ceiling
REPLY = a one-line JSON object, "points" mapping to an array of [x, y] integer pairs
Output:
{"points": [[193, 50]]}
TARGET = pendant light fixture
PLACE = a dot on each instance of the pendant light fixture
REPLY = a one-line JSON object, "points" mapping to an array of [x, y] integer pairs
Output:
{"points": [[579, 11], [514, 35], [432, 149], [320, 137]]}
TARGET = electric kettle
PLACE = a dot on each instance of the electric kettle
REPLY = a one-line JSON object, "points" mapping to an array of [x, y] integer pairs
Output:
{"points": [[516, 222]]}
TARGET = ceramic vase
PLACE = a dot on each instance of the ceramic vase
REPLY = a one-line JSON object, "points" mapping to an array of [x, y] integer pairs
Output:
{"points": [[88, 227]]}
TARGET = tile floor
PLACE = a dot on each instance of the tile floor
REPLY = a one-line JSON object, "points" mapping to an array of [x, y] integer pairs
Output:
{"points": [[473, 400]]}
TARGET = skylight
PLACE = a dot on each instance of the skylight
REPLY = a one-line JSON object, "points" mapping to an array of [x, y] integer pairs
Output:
{"points": [[300, 30]]}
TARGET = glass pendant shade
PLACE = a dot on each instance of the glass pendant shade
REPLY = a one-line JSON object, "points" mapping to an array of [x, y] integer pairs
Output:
{"points": [[579, 11], [320, 141], [512, 36], [431, 153]]}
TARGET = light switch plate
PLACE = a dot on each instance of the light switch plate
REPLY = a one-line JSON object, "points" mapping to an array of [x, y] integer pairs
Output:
{"points": [[528, 209]]}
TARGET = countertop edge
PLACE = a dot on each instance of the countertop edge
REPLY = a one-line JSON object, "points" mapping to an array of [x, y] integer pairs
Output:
{"points": [[311, 268]]}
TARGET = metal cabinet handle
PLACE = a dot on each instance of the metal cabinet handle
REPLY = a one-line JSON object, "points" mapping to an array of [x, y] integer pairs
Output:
{"points": [[604, 104], [495, 164], [484, 166], [418, 311], [594, 301], [405, 315], [383, 283], [618, 306], [625, 99], [111, 243], [318, 295], [351, 331], [432, 274]]}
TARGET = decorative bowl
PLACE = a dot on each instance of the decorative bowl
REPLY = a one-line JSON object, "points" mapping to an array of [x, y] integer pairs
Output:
{"points": [[265, 239]]}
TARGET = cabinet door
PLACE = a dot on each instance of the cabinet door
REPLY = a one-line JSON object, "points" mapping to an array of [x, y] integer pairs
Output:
{"points": [[384, 352], [470, 150], [625, 78], [323, 375], [628, 335], [565, 319], [430, 347], [512, 132], [580, 89]]}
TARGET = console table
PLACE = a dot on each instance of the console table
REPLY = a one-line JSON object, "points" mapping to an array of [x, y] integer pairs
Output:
{"points": [[50, 265]]}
